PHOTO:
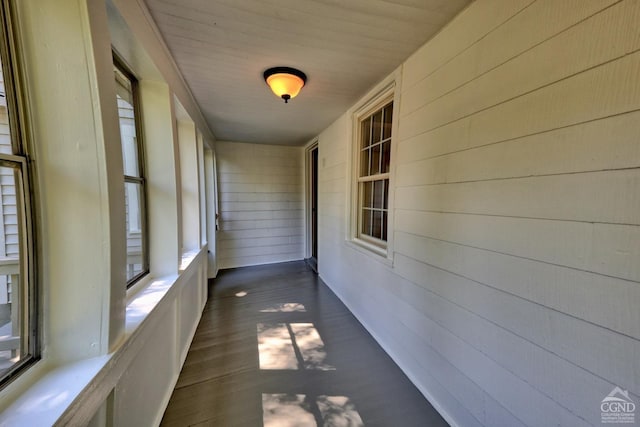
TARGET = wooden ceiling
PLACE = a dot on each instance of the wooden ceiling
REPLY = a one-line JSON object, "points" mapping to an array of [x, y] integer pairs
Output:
{"points": [[345, 47]]}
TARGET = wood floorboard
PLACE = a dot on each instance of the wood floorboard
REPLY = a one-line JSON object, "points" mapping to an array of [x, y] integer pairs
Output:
{"points": [[321, 367]]}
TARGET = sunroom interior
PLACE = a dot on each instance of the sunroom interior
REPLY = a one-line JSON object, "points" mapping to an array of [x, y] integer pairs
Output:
{"points": [[464, 176]]}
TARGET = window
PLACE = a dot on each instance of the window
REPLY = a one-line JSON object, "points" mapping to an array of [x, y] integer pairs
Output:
{"points": [[373, 167], [134, 182], [18, 302]]}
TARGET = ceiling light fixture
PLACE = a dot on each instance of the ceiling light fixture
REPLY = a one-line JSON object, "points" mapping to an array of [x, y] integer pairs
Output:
{"points": [[285, 82]]}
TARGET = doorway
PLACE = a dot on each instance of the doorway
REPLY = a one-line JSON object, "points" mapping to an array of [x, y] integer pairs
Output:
{"points": [[312, 217]]}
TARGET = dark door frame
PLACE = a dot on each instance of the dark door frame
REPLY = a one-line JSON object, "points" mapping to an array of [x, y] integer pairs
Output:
{"points": [[311, 162]]}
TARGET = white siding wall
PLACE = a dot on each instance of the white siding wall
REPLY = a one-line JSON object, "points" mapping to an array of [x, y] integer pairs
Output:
{"points": [[514, 291], [261, 204]]}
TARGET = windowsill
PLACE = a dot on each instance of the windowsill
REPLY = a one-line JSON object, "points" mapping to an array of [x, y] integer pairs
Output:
{"points": [[60, 389], [139, 286], [145, 300], [379, 254], [187, 259], [46, 401], [71, 393]]}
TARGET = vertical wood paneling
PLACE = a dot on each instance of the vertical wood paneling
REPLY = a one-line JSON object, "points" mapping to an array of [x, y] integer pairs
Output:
{"points": [[131, 407], [261, 204]]}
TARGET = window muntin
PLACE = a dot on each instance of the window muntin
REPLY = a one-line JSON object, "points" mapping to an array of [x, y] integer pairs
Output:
{"points": [[135, 193], [18, 302], [373, 177]]}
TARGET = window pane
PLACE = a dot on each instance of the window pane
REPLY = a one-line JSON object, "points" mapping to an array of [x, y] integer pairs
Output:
{"points": [[386, 156], [128, 138], [377, 225], [378, 194], [365, 158], [18, 328], [14, 342], [376, 134], [136, 237], [135, 244], [366, 132], [124, 88], [375, 160], [367, 219], [388, 118], [126, 116], [367, 194]]}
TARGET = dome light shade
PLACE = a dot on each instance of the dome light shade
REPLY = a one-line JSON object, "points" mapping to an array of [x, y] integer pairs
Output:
{"points": [[285, 82]]}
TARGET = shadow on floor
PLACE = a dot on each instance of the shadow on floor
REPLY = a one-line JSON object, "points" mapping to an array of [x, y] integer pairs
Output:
{"points": [[275, 347]]}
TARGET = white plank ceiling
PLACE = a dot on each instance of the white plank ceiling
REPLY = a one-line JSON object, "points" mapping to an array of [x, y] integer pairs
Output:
{"points": [[345, 47]]}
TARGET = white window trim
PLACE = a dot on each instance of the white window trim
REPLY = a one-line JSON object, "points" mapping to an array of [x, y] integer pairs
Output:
{"points": [[387, 90]]}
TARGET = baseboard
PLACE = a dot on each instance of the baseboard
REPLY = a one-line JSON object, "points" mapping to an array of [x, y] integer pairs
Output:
{"points": [[432, 399]]}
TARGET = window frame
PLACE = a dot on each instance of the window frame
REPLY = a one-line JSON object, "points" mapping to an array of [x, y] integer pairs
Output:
{"points": [[386, 93], [18, 118], [141, 180], [380, 176]]}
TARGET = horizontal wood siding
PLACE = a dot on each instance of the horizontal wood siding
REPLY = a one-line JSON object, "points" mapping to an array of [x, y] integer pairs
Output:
{"points": [[9, 244], [9, 232], [261, 204], [513, 293]]}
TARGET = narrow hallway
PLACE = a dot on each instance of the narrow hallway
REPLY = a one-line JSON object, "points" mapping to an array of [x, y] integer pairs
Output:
{"points": [[275, 347]]}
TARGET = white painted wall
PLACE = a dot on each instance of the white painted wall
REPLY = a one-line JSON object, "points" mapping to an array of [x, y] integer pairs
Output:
{"points": [[189, 179], [212, 211], [512, 297], [80, 177], [261, 204], [202, 192]]}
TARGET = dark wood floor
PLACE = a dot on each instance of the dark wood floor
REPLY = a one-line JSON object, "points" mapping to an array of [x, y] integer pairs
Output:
{"points": [[276, 347]]}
